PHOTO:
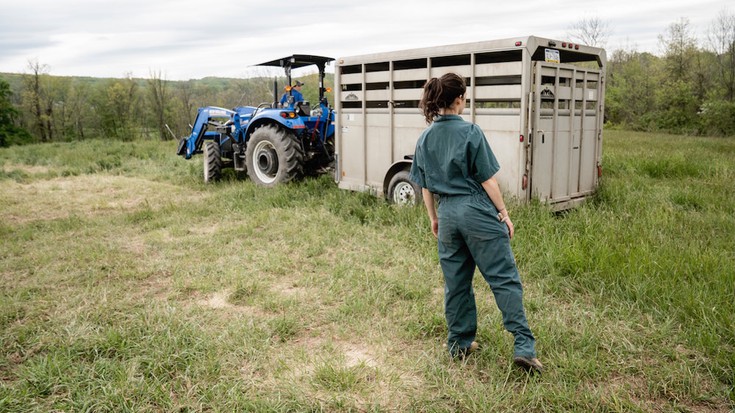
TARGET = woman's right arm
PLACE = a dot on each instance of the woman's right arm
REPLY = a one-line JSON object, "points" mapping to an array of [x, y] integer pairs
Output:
{"points": [[431, 210]]}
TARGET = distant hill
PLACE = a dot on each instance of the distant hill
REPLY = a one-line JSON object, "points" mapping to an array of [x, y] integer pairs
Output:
{"points": [[15, 80]]}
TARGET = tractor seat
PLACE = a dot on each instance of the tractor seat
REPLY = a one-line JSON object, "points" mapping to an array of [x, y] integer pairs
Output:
{"points": [[303, 108]]}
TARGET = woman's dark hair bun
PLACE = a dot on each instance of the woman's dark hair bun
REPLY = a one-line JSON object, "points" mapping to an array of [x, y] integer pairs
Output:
{"points": [[440, 93]]}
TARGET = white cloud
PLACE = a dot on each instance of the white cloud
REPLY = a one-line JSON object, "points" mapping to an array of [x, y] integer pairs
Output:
{"points": [[192, 39]]}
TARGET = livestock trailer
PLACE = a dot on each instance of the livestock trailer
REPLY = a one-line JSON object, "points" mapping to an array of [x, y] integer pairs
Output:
{"points": [[539, 101]]}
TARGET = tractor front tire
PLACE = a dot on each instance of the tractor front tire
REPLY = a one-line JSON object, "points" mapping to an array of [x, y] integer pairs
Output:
{"points": [[212, 162], [402, 191], [273, 156]]}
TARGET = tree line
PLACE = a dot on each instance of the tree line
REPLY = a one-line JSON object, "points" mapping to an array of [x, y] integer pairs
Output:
{"points": [[44, 108], [688, 89]]}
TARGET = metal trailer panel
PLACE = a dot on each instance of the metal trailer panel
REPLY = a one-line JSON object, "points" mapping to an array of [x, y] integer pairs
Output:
{"points": [[352, 163], [505, 143], [379, 147], [549, 146]]}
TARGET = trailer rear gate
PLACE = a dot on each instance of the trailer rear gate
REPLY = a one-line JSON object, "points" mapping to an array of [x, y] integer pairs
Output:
{"points": [[542, 119], [567, 132]]}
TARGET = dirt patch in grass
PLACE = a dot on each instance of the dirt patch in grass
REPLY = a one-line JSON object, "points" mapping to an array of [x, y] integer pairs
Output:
{"points": [[216, 301], [157, 288], [290, 289], [221, 301], [88, 195], [356, 355]]}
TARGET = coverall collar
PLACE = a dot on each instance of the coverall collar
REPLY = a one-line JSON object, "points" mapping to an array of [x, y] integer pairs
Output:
{"points": [[442, 118]]}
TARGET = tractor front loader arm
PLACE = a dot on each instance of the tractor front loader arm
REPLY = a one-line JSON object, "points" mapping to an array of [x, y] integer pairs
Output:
{"points": [[193, 144]]}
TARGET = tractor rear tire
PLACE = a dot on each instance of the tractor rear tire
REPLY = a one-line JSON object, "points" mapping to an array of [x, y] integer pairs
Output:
{"points": [[274, 156], [212, 162], [402, 191]]}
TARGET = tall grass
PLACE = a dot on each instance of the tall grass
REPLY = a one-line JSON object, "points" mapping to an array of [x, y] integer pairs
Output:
{"points": [[129, 285]]}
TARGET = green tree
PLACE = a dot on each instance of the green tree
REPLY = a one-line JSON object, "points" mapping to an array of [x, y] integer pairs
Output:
{"points": [[60, 115], [116, 105], [684, 85], [10, 133], [718, 117], [680, 49], [158, 95], [80, 111], [717, 112], [721, 35], [187, 111], [677, 108], [36, 101], [630, 96]]}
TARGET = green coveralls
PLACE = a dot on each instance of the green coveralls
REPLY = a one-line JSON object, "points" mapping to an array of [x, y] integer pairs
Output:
{"points": [[452, 159]]}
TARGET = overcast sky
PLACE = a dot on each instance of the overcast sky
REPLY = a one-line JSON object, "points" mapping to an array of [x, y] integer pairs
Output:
{"points": [[188, 39]]}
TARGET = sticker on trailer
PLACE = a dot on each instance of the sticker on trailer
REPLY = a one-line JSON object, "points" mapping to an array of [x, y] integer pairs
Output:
{"points": [[552, 56], [547, 93]]}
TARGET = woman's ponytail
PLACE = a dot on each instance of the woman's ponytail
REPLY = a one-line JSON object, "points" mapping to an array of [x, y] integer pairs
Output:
{"points": [[440, 94]]}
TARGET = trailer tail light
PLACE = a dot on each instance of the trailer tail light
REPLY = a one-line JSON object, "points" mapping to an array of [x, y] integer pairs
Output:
{"points": [[522, 138], [524, 183], [576, 47], [519, 44]]}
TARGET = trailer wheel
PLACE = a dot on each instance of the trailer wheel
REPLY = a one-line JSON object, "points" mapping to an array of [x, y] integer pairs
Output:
{"points": [[212, 162], [273, 156], [402, 191]]}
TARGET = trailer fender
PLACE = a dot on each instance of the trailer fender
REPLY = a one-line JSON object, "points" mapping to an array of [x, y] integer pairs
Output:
{"points": [[403, 165]]}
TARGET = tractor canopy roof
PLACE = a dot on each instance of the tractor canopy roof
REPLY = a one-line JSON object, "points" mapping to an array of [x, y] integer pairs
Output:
{"points": [[298, 60]]}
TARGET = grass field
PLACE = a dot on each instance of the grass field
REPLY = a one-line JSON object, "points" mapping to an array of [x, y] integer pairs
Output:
{"points": [[128, 285]]}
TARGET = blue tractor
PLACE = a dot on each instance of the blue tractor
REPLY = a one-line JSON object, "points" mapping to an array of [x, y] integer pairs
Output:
{"points": [[274, 143]]}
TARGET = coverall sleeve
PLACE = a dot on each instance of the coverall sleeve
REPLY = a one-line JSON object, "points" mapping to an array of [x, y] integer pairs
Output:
{"points": [[482, 162], [417, 174]]}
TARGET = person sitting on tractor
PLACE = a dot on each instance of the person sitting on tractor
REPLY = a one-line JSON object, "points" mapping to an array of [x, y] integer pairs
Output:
{"points": [[294, 91]]}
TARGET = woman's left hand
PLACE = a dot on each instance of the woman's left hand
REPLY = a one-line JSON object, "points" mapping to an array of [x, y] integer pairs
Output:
{"points": [[509, 223]]}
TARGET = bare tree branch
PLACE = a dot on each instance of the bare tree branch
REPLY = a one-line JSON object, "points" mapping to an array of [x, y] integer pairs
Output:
{"points": [[591, 31]]}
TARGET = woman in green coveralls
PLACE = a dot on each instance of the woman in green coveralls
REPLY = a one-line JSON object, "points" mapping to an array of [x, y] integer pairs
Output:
{"points": [[454, 161]]}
